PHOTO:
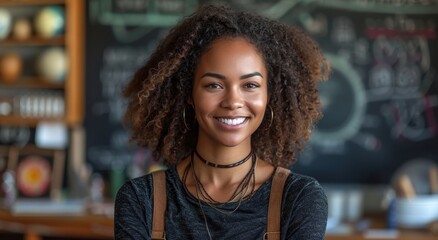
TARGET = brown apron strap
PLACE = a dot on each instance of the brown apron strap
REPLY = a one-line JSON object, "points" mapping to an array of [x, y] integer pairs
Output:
{"points": [[274, 210], [159, 181]]}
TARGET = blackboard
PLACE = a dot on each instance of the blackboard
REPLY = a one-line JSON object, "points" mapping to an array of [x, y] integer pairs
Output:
{"points": [[380, 105]]}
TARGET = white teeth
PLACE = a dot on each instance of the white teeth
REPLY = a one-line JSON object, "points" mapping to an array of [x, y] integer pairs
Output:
{"points": [[234, 121]]}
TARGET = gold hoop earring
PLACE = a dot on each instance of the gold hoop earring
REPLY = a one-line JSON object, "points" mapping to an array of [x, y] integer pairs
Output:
{"points": [[272, 117], [184, 119]]}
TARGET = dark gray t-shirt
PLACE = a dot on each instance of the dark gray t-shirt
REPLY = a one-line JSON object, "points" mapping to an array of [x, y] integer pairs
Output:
{"points": [[304, 211]]}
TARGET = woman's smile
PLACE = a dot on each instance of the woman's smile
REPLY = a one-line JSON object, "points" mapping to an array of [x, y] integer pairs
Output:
{"points": [[232, 121]]}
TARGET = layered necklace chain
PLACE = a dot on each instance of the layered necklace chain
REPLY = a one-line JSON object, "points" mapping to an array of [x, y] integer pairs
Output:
{"points": [[243, 191]]}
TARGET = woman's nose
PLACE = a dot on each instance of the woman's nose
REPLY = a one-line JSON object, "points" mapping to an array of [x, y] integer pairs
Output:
{"points": [[233, 99]]}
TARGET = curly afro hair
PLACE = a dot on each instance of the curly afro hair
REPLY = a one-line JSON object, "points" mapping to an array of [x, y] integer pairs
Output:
{"points": [[159, 91]]}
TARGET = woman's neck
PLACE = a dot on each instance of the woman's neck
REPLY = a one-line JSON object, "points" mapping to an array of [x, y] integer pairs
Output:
{"points": [[222, 155]]}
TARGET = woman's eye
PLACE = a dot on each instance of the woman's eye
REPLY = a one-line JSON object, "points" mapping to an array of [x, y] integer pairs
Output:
{"points": [[214, 86], [251, 85]]}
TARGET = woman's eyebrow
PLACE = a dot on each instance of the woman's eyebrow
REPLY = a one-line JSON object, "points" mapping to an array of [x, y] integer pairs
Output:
{"points": [[250, 75], [222, 77], [214, 75]]}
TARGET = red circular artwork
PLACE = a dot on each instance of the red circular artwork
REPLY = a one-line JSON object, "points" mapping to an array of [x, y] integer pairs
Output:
{"points": [[33, 176]]}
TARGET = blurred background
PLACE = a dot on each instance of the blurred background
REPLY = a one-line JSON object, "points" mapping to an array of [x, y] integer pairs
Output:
{"points": [[64, 151]]}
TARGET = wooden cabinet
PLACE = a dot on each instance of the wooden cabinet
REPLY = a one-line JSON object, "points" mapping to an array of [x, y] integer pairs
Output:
{"points": [[29, 99]]}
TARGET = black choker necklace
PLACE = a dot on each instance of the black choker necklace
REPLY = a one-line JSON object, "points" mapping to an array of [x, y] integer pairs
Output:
{"points": [[215, 165]]}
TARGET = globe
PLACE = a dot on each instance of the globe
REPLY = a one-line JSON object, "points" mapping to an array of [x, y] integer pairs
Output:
{"points": [[52, 64], [50, 21], [5, 23]]}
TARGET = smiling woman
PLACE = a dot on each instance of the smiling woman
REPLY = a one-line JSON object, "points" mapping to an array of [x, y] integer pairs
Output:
{"points": [[226, 100]]}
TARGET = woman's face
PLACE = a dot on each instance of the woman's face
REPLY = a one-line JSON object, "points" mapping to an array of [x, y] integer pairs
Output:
{"points": [[230, 92]]}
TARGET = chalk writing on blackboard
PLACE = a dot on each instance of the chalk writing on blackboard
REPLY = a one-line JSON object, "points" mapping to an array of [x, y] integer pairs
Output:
{"points": [[131, 20], [130, 6], [163, 13], [343, 98], [118, 65], [383, 72], [382, 6]]}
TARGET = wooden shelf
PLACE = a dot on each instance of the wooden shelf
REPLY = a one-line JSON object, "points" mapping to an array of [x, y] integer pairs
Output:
{"points": [[73, 42], [29, 2], [34, 41], [33, 83], [20, 121]]}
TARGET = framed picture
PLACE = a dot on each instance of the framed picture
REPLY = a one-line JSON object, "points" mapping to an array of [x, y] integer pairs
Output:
{"points": [[38, 172]]}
